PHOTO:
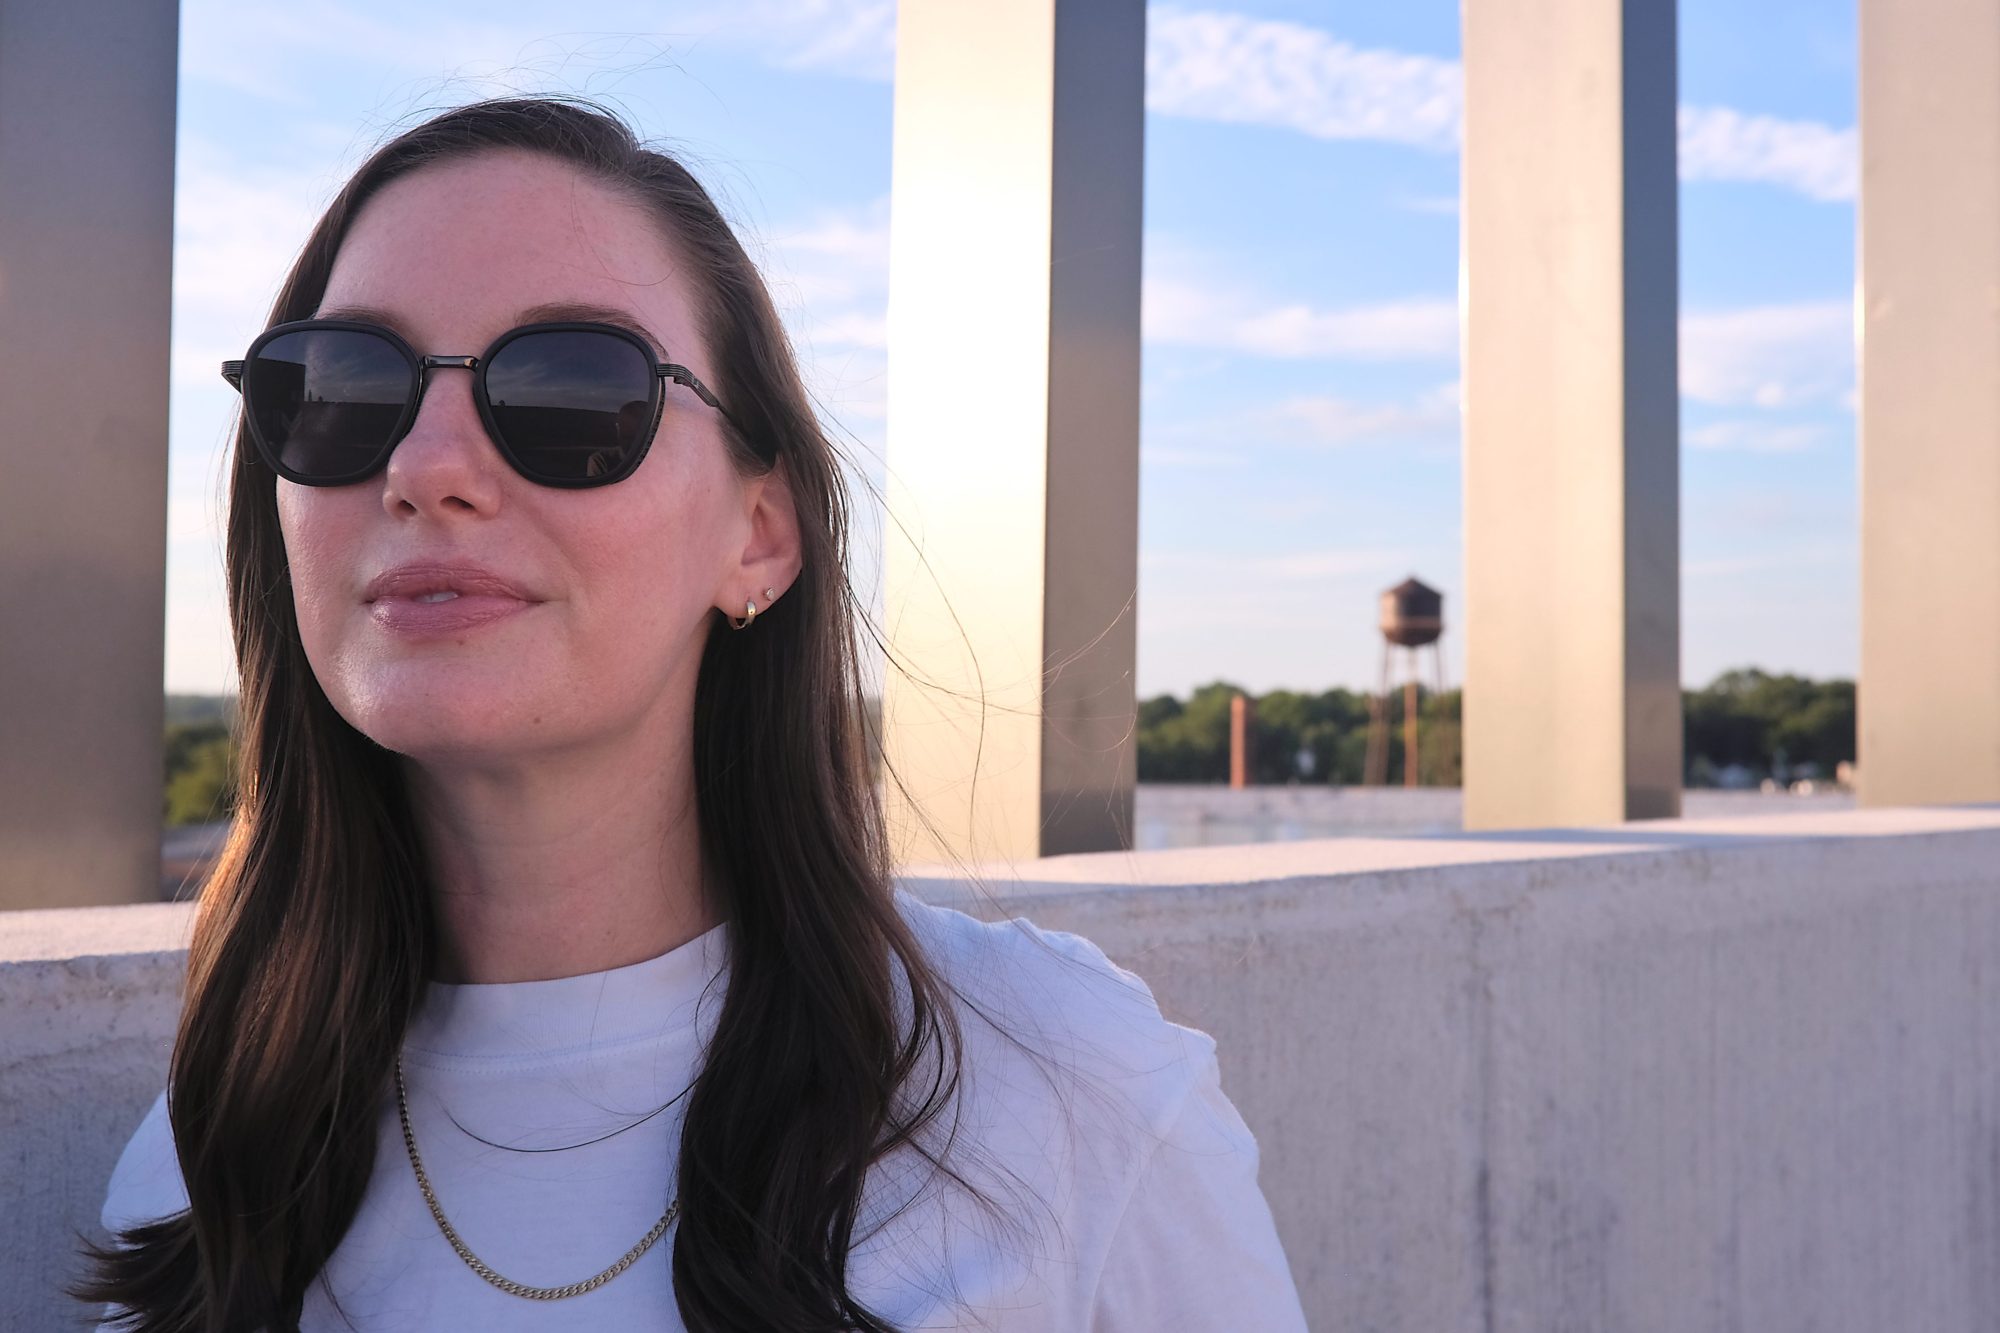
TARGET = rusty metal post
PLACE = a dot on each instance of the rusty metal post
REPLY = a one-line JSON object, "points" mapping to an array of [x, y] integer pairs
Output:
{"points": [[1242, 735]]}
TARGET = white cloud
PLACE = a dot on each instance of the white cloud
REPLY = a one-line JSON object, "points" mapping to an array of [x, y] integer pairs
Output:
{"points": [[1184, 311], [1309, 611], [851, 388], [851, 38], [1754, 437], [837, 36], [263, 50], [1238, 569], [829, 277], [1719, 144], [1811, 555], [852, 328], [1314, 419], [1220, 66], [855, 236], [1172, 456], [1769, 356], [237, 230], [1417, 329], [1325, 419], [1440, 204], [835, 263], [1208, 65], [194, 519]]}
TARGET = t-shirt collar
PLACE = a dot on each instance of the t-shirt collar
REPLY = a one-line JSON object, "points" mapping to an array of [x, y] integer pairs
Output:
{"points": [[636, 1002]]}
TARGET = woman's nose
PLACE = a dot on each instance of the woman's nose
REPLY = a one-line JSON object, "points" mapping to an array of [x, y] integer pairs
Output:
{"points": [[446, 460]]}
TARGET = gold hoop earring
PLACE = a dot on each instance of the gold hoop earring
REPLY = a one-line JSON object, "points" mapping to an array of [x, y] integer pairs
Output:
{"points": [[750, 614]]}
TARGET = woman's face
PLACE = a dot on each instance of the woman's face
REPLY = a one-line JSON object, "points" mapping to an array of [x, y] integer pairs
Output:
{"points": [[617, 584]]}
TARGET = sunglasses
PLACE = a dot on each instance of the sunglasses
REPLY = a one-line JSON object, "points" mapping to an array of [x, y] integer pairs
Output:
{"points": [[567, 404]]}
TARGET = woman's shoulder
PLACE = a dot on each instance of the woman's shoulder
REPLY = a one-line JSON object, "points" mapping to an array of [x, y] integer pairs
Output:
{"points": [[1146, 1163], [146, 1184], [1060, 994]]}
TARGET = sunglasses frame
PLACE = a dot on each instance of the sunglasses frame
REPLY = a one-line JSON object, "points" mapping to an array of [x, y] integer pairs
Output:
{"points": [[420, 368]]}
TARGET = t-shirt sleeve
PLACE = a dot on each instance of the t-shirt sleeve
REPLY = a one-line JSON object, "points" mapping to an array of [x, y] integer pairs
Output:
{"points": [[1196, 1250], [146, 1184]]}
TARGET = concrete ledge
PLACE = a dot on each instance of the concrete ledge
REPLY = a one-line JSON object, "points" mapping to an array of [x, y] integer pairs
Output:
{"points": [[1688, 1075], [88, 1002], [1717, 1074]]}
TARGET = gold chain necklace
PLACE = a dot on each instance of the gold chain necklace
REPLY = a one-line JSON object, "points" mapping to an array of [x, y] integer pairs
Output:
{"points": [[478, 1265]]}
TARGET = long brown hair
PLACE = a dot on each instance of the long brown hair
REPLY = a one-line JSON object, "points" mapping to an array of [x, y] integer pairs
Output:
{"points": [[314, 936]]}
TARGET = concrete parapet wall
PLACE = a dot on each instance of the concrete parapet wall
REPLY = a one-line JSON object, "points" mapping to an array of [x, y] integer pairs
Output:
{"points": [[1689, 1075], [88, 1001]]}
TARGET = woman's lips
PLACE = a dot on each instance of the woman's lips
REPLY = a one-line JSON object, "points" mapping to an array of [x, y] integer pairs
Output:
{"points": [[408, 616]]}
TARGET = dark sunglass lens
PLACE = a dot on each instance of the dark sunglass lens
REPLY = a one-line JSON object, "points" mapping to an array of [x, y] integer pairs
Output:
{"points": [[327, 401], [573, 405]]}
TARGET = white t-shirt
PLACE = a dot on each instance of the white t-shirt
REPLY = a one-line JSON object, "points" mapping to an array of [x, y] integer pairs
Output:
{"points": [[1131, 1195]]}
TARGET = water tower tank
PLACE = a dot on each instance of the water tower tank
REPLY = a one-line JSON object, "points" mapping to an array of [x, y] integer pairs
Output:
{"points": [[1412, 614]]}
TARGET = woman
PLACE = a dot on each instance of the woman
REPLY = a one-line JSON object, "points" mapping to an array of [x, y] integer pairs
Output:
{"points": [[553, 976]]}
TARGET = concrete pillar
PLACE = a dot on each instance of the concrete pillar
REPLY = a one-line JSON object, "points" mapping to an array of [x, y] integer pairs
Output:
{"points": [[86, 262], [1572, 543], [1013, 441], [1929, 335]]}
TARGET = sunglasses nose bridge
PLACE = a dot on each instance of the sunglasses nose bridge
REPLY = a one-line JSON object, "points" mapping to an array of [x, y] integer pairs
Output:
{"points": [[426, 364]]}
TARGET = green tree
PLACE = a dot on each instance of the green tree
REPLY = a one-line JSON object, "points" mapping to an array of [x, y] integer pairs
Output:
{"points": [[1440, 737], [1747, 717], [1186, 743], [200, 773], [1189, 742]]}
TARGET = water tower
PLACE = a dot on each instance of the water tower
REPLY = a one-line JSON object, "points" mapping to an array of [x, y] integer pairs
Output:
{"points": [[1412, 619]]}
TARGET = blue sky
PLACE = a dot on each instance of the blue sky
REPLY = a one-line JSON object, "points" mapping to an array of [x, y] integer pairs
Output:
{"points": [[1299, 438]]}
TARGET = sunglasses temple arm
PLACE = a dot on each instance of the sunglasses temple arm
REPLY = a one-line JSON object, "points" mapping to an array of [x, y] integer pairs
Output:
{"points": [[682, 375]]}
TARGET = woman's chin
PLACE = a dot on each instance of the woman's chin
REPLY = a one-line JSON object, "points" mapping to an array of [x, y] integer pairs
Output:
{"points": [[428, 728]]}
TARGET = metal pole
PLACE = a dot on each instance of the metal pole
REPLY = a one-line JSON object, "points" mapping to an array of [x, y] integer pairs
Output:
{"points": [[1242, 721], [1411, 754]]}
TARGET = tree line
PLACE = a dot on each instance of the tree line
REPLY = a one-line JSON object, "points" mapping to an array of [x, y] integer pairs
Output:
{"points": [[1767, 724], [201, 758]]}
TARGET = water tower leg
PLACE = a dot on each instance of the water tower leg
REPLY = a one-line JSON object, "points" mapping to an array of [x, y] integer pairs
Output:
{"points": [[1375, 768], [1412, 756]]}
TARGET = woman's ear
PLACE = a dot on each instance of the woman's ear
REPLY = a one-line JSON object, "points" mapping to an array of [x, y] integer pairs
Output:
{"points": [[772, 554]]}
